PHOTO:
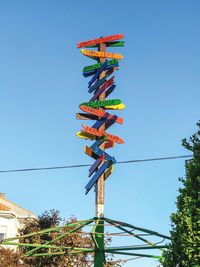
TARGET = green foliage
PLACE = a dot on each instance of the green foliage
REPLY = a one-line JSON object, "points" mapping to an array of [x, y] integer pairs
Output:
{"points": [[184, 250]]}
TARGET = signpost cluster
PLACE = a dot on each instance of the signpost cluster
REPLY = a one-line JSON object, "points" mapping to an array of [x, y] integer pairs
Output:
{"points": [[100, 86]]}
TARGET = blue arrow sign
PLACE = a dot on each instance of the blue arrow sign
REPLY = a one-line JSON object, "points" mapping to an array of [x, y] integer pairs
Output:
{"points": [[101, 81], [98, 73], [106, 85], [96, 176], [101, 121], [98, 151], [97, 84], [96, 144], [110, 90]]}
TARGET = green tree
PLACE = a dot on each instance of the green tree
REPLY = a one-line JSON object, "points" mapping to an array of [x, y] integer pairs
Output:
{"points": [[10, 258], [184, 249], [51, 219]]}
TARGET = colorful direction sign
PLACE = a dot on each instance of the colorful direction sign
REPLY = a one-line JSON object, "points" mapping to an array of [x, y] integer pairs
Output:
{"points": [[101, 54], [85, 116], [95, 166], [85, 135], [100, 86], [109, 44], [115, 107], [98, 73], [102, 103], [101, 81], [108, 172], [98, 153], [102, 89], [91, 70], [101, 133], [99, 113], [100, 40], [96, 176]]}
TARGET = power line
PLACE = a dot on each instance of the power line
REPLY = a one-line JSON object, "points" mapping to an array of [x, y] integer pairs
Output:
{"points": [[88, 165]]}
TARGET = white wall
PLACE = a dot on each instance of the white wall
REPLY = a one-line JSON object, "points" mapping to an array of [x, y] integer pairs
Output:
{"points": [[9, 227]]}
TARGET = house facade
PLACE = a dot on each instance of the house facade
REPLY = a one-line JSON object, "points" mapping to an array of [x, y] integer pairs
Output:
{"points": [[12, 217]]}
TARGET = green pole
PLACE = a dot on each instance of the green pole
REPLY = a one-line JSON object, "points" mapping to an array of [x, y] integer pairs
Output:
{"points": [[99, 255]]}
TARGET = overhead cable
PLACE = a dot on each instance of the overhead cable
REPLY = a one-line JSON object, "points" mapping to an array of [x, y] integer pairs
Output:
{"points": [[88, 165]]}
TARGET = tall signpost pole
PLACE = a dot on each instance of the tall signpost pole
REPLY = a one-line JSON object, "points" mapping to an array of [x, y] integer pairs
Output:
{"points": [[99, 255], [100, 186], [101, 85]]}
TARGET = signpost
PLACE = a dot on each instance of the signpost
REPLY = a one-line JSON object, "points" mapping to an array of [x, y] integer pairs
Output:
{"points": [[101, 87]]}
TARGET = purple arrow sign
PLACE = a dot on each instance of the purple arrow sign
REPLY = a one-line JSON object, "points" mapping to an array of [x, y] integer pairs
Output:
{"points": [[95, 166], [110, 121], [103, 88]]}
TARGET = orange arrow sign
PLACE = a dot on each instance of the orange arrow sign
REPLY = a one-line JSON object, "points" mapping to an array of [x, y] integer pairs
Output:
{"points": [[100, 40], [100, 133], [114, 138], [93, 131], [109, 144]]}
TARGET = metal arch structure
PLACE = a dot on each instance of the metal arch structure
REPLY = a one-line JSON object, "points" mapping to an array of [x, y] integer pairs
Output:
{"points": [[50, 248], [97, 109]]}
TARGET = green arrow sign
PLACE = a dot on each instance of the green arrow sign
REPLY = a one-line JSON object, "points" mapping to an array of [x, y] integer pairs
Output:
{"points": [[98, 65], [102, 103]]}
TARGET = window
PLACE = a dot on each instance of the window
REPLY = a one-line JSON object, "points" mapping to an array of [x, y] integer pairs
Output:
{"points": [[2, 236], [3, 231]]}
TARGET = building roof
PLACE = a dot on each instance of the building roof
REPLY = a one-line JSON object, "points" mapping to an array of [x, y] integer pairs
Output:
{"points": [[4, 207], [7, 205]]}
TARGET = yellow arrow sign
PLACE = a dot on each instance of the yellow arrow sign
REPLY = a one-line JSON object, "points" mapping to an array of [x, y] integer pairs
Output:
{"points": [[116, 107], [91, 53], [85, 135]]}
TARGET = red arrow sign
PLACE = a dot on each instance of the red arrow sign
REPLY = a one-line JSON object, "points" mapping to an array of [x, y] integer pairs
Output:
{"points": [[100, 40], [99, 112]]}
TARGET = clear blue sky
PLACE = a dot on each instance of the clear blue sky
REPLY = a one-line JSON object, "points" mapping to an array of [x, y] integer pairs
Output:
{"points": [[41, 87]]}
